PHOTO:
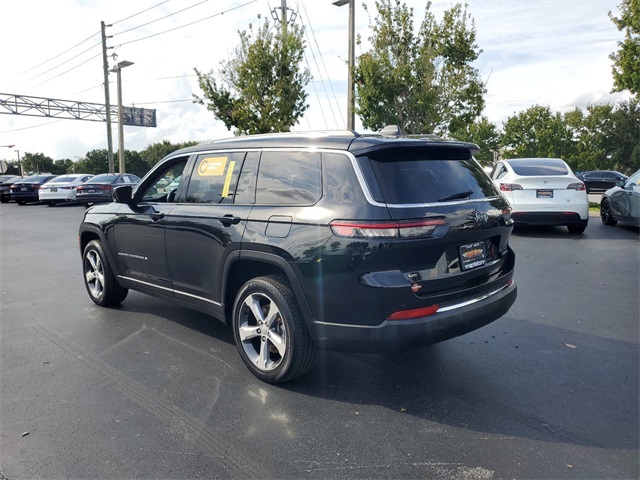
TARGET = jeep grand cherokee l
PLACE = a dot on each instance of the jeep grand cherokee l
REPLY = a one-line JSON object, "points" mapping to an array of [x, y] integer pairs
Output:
{"points": [[335, 241]]}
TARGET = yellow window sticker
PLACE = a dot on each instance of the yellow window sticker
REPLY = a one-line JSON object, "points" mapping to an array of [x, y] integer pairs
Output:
{"points": [[227, 181], [212, 166]]}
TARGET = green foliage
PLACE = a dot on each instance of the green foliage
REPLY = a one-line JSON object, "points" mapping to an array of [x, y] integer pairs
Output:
{"points": [[484, 134], [625, 137], [36, 162], [261, 89], [536, 132], [626, 61], [604, 137], [424, 83], [97, 162], [157, 151]]}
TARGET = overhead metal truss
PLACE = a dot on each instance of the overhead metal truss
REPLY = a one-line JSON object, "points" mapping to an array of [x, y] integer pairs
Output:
{"points": [[69, 109]]}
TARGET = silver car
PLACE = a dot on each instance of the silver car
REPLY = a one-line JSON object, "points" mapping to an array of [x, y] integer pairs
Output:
{"points": [[622, 202]]}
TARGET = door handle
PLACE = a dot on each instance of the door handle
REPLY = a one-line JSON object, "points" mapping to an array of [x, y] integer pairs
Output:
{"points": [[229, 220], [156, 216]]}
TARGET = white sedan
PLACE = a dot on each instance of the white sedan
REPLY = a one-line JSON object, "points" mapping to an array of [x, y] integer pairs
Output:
{"points": [[62, 188], [543, 191]]}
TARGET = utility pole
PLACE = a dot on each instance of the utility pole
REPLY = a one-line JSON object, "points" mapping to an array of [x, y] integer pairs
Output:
{"points": [[107, 102], [283, 6]]}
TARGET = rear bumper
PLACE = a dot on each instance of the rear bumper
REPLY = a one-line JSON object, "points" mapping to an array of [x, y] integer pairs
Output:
{"points": [[394, 335], [549, 218], [89, 198]]}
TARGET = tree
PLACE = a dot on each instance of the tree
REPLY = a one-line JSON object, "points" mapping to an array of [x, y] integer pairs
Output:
{"points": [[625, 137], [537, 132], [626, 61], [96, 162], [424, 83], [484, 134], [36, 162], [591, 132], [261, 88], [157, 151]]}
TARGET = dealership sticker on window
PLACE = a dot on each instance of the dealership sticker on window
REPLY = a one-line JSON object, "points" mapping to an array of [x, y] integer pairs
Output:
{"points": [[212, 166], [227, 180]]}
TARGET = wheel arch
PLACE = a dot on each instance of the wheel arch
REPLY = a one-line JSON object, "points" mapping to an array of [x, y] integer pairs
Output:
{"points": [[91, 232], [245, 265]]}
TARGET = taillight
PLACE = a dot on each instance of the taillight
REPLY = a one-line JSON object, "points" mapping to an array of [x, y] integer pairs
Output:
{"points": [[105, 187], [391, 229], [576, 186], [414, 313], [510, 187]]}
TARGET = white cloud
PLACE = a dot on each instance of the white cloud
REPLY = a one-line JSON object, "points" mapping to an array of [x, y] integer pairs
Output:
{"points": [[548, 52]]}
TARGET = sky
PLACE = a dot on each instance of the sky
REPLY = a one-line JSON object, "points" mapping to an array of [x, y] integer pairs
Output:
{"points": [[534, 52]]}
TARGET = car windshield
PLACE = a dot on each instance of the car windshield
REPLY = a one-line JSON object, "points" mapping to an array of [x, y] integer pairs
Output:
{"points": [[104, 178], [538, 167], [427, 175]]}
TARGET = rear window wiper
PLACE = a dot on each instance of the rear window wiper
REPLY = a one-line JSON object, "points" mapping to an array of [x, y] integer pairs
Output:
{"points": [[456, 196]]}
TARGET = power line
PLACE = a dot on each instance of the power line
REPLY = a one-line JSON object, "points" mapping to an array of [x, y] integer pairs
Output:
{"points": [[335, 98], [161, 18], [136, 14], [60, 54], [67, 71], [188, 24]]}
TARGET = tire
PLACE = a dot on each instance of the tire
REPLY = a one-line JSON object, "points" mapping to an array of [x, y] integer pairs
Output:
{"points": [[101, 283], [577, 228], [284, 350], [21, 202], [4, 199], [605, 213], [85, 204], [51, 204]]}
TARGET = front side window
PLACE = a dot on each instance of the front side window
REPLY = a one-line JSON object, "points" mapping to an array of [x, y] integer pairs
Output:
{"points": [[214, 178], [166, 185], [289, 178], [421, 175]]}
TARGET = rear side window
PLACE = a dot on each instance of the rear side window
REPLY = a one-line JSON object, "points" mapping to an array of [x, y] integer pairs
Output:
{"points": [[538, 167], [426, 175], [214, 178], [289, 178]]}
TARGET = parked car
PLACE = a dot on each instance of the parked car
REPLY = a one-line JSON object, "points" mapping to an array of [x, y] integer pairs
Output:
{"points": [[100, 188], [301, 241], [26, 189], [62, 188], [543, 191], [622, 202], [5, 187], [601, 180]]}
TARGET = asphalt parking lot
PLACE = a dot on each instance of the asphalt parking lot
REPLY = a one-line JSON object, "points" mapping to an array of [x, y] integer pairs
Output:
{"points": [[153, 390]]}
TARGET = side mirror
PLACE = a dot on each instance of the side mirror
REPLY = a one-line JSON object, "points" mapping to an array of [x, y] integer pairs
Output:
{"points": [[620, 183], [122, 194]]}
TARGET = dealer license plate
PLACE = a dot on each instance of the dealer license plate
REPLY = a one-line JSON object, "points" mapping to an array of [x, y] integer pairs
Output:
{"points": [[544, 193], [472, 255], [54, 189], [23, 189], [91, 191]]}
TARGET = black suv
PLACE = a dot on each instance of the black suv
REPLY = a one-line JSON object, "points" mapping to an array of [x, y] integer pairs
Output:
{"points": [[335, 241]]}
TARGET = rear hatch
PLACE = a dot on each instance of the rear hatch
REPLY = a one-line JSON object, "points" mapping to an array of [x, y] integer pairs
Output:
{"points": [[460, 242], [546, 193]]}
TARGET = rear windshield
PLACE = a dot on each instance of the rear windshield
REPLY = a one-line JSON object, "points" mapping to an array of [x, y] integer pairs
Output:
{"points": [[105, 178], [538, 167], [425, 175], [67, 179]]}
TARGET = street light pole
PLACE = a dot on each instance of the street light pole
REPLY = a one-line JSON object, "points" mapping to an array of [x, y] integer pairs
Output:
{"points": [[351, 116], [118, 68], [19, 164]]}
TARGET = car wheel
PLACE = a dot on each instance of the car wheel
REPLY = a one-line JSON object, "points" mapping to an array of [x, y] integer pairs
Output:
{"points": [[21, 202], [101, 283], [605, 213], [51, 204], [577, 227], [269, 333], [4, 199], [85, 204]]}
